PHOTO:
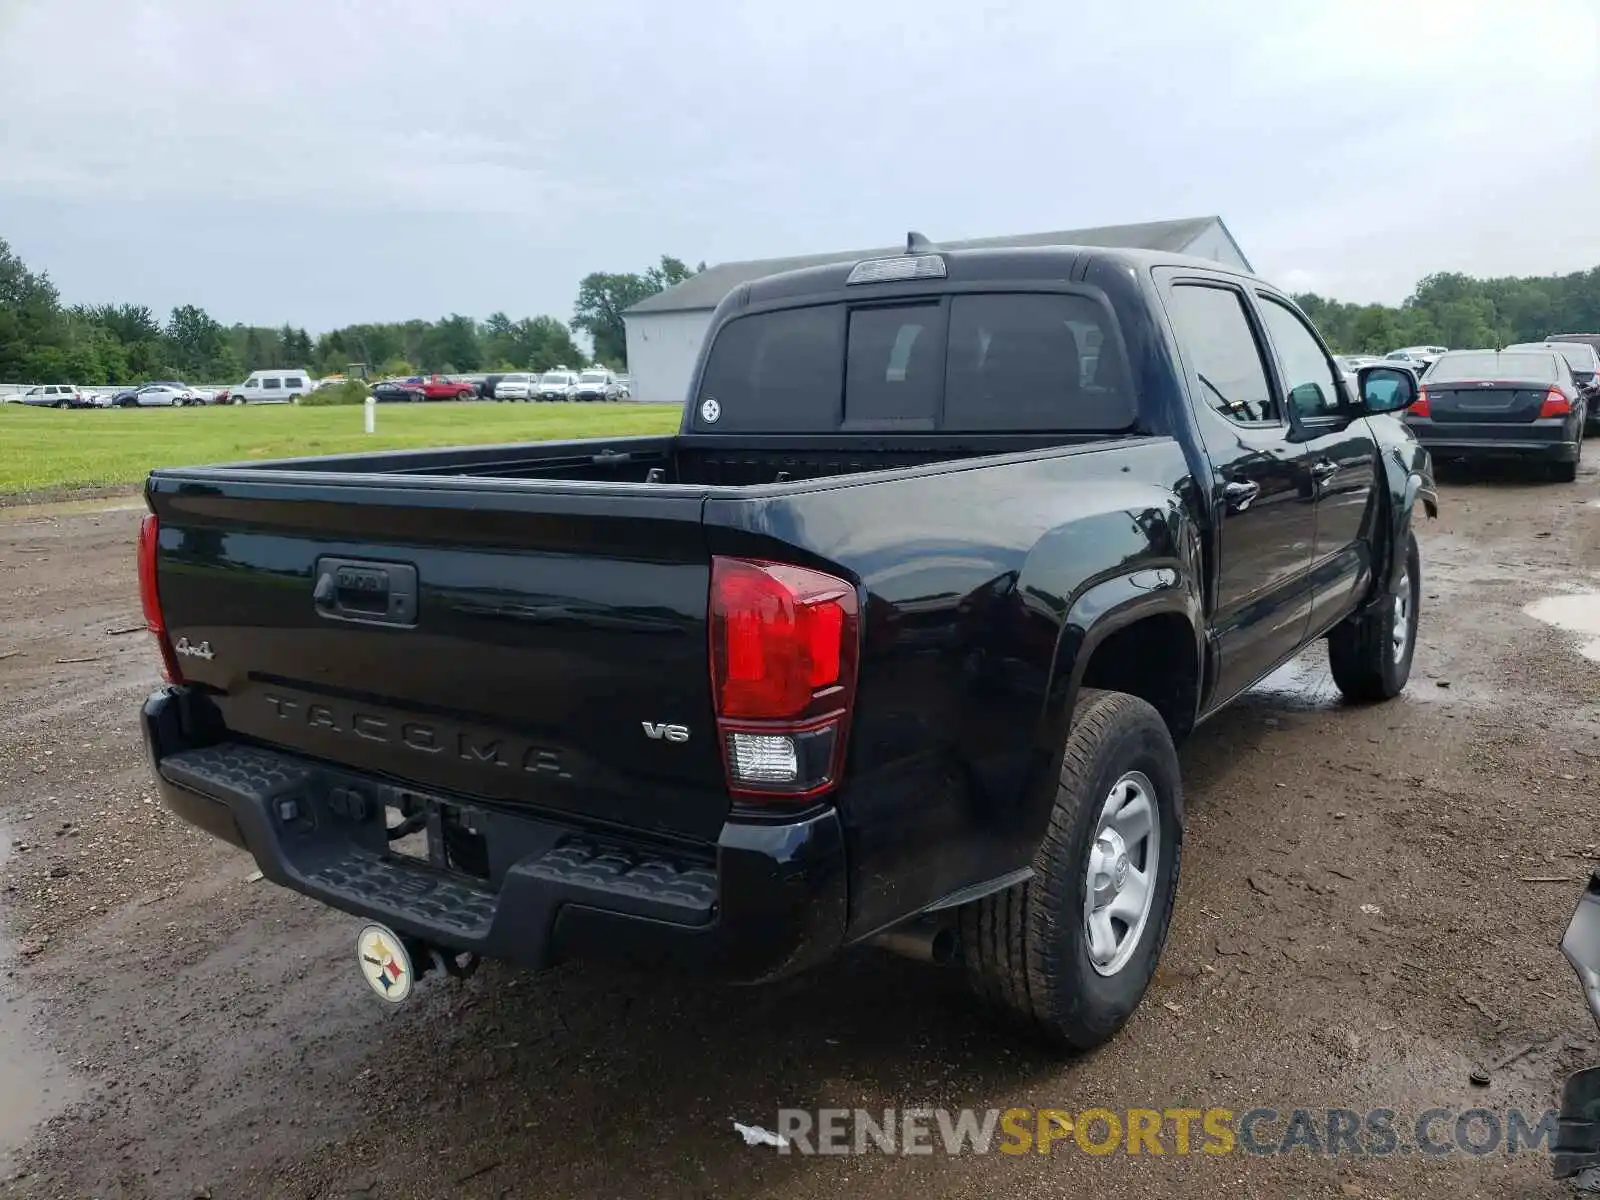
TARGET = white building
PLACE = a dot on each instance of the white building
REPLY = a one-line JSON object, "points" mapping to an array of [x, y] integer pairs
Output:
{"points": [[665, 331]]}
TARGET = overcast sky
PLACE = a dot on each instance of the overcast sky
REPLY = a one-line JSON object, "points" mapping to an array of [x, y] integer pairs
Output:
{"points": [[330, 161]]}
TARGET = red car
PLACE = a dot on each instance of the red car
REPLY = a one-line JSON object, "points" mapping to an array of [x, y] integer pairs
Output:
{"points": [[442, 387]]}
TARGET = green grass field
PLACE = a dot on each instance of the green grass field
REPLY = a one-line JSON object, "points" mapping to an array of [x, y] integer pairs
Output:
{"points": [[43, 451]]}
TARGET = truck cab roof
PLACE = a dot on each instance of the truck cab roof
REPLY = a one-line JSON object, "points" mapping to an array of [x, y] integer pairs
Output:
{"points": [[965, 266]]}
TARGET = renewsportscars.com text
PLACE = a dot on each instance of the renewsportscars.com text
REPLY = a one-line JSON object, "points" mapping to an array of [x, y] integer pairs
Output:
{"points": [[1331, 1132]]}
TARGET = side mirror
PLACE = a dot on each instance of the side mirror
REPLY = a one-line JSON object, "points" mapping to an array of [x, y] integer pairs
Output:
{"points": [[1386, 389]]}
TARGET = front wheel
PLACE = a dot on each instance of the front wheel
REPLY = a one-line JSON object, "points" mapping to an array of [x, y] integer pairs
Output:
{"points": [[1370, 654], [177, 402], [1070, 952]]}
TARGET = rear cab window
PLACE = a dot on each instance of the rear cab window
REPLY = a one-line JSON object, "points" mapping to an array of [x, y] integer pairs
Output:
{"points": [[990, 362]]}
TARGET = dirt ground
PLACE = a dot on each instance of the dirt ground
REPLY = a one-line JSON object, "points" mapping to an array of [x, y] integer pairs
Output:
{"points": [[1370, 908]]}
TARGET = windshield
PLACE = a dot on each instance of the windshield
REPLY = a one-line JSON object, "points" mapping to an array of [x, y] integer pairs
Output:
{"points": [[556, 377], [591, 377], [513, 379], [1488, 365]]}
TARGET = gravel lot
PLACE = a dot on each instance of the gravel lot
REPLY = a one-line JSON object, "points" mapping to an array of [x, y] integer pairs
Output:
{"points": [[1365, 916]]}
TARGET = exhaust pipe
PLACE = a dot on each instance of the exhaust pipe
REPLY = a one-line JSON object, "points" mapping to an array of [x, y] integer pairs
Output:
{"points": [[923, 939]]}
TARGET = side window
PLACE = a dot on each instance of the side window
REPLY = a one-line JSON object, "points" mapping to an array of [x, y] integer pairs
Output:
{"points": [[294, 382], [1215, 338], [1308, 380], [271, 383]]}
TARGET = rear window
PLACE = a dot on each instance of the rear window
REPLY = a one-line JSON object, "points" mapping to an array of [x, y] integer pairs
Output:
{"points": [[989, 362], [1579, 357], [1508, 366]]}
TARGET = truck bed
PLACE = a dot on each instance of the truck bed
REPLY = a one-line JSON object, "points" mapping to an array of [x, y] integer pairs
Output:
{"points": [[716, 461]]}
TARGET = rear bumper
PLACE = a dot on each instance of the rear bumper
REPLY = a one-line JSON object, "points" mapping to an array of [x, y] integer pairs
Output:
{"points": [[1549, 440], [766, 901]]}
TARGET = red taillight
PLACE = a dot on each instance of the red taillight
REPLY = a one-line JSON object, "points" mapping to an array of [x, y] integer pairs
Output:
{"points": [[1419, 406], [150, 597], [1555, 404], [783, 675]]}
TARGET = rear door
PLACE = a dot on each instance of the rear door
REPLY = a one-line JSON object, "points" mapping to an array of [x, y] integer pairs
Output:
{"points": [[1262, 492], [1342, 459], [508, 646]]}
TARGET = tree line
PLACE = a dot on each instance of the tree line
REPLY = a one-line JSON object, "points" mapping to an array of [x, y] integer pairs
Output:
{"points": [[1455, 310], [44, 341]]}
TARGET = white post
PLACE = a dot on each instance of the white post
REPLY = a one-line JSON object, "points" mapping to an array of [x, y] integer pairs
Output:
{"points": [[371, 405]]}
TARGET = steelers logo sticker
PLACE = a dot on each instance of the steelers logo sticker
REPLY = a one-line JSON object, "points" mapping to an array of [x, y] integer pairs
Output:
{"points": [[710, 411], [384, 963]]}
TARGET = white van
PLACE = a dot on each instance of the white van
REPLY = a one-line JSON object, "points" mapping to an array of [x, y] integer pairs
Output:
{"points": [[273, 387]]}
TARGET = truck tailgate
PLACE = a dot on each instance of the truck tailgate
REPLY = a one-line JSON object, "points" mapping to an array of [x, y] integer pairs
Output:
{"points": [[520, 647]]}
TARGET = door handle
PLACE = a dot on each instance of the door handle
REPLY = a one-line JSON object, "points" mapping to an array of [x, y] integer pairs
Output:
{"points": [[1240, 494], [1324, 468]]}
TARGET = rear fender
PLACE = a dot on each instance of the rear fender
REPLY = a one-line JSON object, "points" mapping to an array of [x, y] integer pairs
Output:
{"points": [[1107, 608]]}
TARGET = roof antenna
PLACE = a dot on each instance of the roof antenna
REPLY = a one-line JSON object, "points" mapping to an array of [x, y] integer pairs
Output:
{"points": [[917, 244]]}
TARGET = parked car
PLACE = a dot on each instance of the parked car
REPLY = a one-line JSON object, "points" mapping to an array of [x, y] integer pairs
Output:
{"points": [[393, 391], [168, 394], [556, 385], [484, 385], [1584, 359], [55, 395], [517, 386], [283, 385], [688, 700], [446, 387], [594, 385], [1518, 404], [624, 387], [1422, 354]]}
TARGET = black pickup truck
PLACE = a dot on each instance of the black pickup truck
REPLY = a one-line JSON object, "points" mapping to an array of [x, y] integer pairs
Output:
{"points": [[891, 643]]}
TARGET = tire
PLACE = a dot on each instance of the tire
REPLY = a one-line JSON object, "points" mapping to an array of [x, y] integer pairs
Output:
{"points": [[60, 404], [1364, 653], [1027, 949], [177, 402], [1568, 472], [237, 400]]}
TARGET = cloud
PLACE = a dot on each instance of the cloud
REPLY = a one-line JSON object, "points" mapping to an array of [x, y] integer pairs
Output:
{"points": [[273, 162]]}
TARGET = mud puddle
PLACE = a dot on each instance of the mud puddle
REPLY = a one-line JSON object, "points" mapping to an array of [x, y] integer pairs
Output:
{"points": [[1579, 613], [34, 1084]]}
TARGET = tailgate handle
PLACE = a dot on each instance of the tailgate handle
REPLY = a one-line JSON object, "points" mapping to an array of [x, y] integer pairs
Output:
{"points": [[374, 593]]}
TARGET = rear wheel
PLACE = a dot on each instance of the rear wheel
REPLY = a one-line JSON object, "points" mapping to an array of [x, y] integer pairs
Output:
{"points": [[1070, 953], [177, 402], [1567, 472], [1370, 655], [60, 404]]}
